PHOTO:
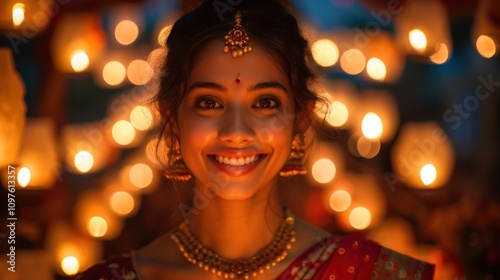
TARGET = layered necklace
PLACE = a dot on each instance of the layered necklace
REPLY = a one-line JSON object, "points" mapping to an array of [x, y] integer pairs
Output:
{"points": [[197, 254]]}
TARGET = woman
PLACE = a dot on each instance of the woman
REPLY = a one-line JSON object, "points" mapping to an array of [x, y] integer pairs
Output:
{"points": [[238, 111]]}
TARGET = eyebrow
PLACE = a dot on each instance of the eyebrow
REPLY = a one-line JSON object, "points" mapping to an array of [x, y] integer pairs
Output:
{"points": [[218, 87], [266, 85], [206, 85]]}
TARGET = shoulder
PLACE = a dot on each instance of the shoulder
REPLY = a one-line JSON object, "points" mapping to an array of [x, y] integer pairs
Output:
{"points": [[355, 255], [115, 267]]}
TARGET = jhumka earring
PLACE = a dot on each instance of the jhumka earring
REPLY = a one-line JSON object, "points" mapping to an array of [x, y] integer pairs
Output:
{"points": [[295, 163], [237, 40], [177, 169]]}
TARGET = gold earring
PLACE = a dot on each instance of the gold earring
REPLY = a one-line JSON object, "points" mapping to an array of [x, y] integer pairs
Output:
{"points": [[177, 169], [295, 163]]}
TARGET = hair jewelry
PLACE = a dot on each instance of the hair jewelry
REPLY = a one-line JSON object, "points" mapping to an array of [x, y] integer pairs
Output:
{"points": [[237, 40]]}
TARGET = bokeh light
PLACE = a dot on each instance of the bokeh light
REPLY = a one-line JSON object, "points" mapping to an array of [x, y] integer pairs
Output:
{"points": [[79, 61], [486, 46], [163, 34], [325, 52], [141, 117], [141, 175], [123, 132], [360, 218], [23, 177], [338, 114], [372, 126], [428, 174], [97, 226], [126, 32], [122, 203], [84, 161], [340, 200], [18, 14], [368, 148], [441, 55], [323, 170], [70, 265], [376, 69], [418, 40], [139, 72], [114, 73], [353, 61]]}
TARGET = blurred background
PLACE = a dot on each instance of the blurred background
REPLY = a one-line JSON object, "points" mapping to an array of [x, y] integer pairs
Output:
{"points": [[410, 159]]}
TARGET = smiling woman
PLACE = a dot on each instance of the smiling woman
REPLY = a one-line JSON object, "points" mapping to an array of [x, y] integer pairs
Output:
{"points": [[238, 113]]}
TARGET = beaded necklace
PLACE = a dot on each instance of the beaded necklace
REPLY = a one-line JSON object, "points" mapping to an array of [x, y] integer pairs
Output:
{"points": [[206, 259]]}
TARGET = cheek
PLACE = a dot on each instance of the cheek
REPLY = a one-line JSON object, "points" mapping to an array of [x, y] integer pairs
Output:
{"points": [[195, 132], [276, 132]]}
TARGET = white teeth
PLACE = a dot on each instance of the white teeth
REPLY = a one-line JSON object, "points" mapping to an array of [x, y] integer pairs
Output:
{"points": [[240, 161]]}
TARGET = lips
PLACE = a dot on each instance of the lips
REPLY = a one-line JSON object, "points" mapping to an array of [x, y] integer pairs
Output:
{"points": [[236, 165]]}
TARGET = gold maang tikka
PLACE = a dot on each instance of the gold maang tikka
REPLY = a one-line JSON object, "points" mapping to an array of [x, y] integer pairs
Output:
{"points": [[237, 40]]}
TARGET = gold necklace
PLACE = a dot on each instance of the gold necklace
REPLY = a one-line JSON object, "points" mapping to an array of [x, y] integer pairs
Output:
{"points": [[206, 259]]}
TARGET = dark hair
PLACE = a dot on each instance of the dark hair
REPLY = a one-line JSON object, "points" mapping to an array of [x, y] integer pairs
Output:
{"points": [[266, 22]]}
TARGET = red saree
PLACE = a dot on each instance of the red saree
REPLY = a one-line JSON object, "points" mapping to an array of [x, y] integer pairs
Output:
{"points": [[333, 258]]}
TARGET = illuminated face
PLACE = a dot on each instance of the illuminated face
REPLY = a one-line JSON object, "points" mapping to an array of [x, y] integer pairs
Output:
{"points": [[236, 122]]}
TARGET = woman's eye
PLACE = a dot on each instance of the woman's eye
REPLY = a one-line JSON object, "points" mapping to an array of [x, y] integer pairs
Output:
{"points": [[207, 103], [267, 103]]}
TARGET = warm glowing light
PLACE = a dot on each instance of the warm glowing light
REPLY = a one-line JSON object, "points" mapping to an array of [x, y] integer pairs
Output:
{"points": [[126, 32], [84, 161], [325, 52], [323, 170], [428, 174], [151, 148], [486, 46], [70, 265], [97, 226], [139, 72], [368, 148], [123, 132], [122, 203], [371, 126], [141, 175], [338, 114], [441, 55], [376, 69], [340, 200], [155, 58], [353, 61], [18, 14], [141, 117], [418, 40], [163, 35], [114, 73], [360, 218], [79, 61], [23, 177]]}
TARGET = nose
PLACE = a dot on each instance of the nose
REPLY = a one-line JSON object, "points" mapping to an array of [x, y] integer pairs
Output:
{"points": [[236, 127]]}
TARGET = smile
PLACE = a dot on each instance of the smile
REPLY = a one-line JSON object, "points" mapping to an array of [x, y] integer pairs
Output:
{"points": [[237, 161], [236, 165]]}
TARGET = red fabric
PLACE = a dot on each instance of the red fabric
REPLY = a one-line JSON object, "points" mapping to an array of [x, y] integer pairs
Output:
{"points": [[352, 257], [333, 258]]}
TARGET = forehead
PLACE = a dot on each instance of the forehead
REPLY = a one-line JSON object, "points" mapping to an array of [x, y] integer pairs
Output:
{"points": [[213, 64]]}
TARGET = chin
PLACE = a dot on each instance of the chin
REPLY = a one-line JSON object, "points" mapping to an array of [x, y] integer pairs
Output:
{"points": [[233, 192]]}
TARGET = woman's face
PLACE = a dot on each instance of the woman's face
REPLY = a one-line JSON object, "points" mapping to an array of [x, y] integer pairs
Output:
{"points": [[236, 122]]}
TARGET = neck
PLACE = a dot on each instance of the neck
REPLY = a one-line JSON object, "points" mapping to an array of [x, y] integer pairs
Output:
{"points": [[238, 229]]}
